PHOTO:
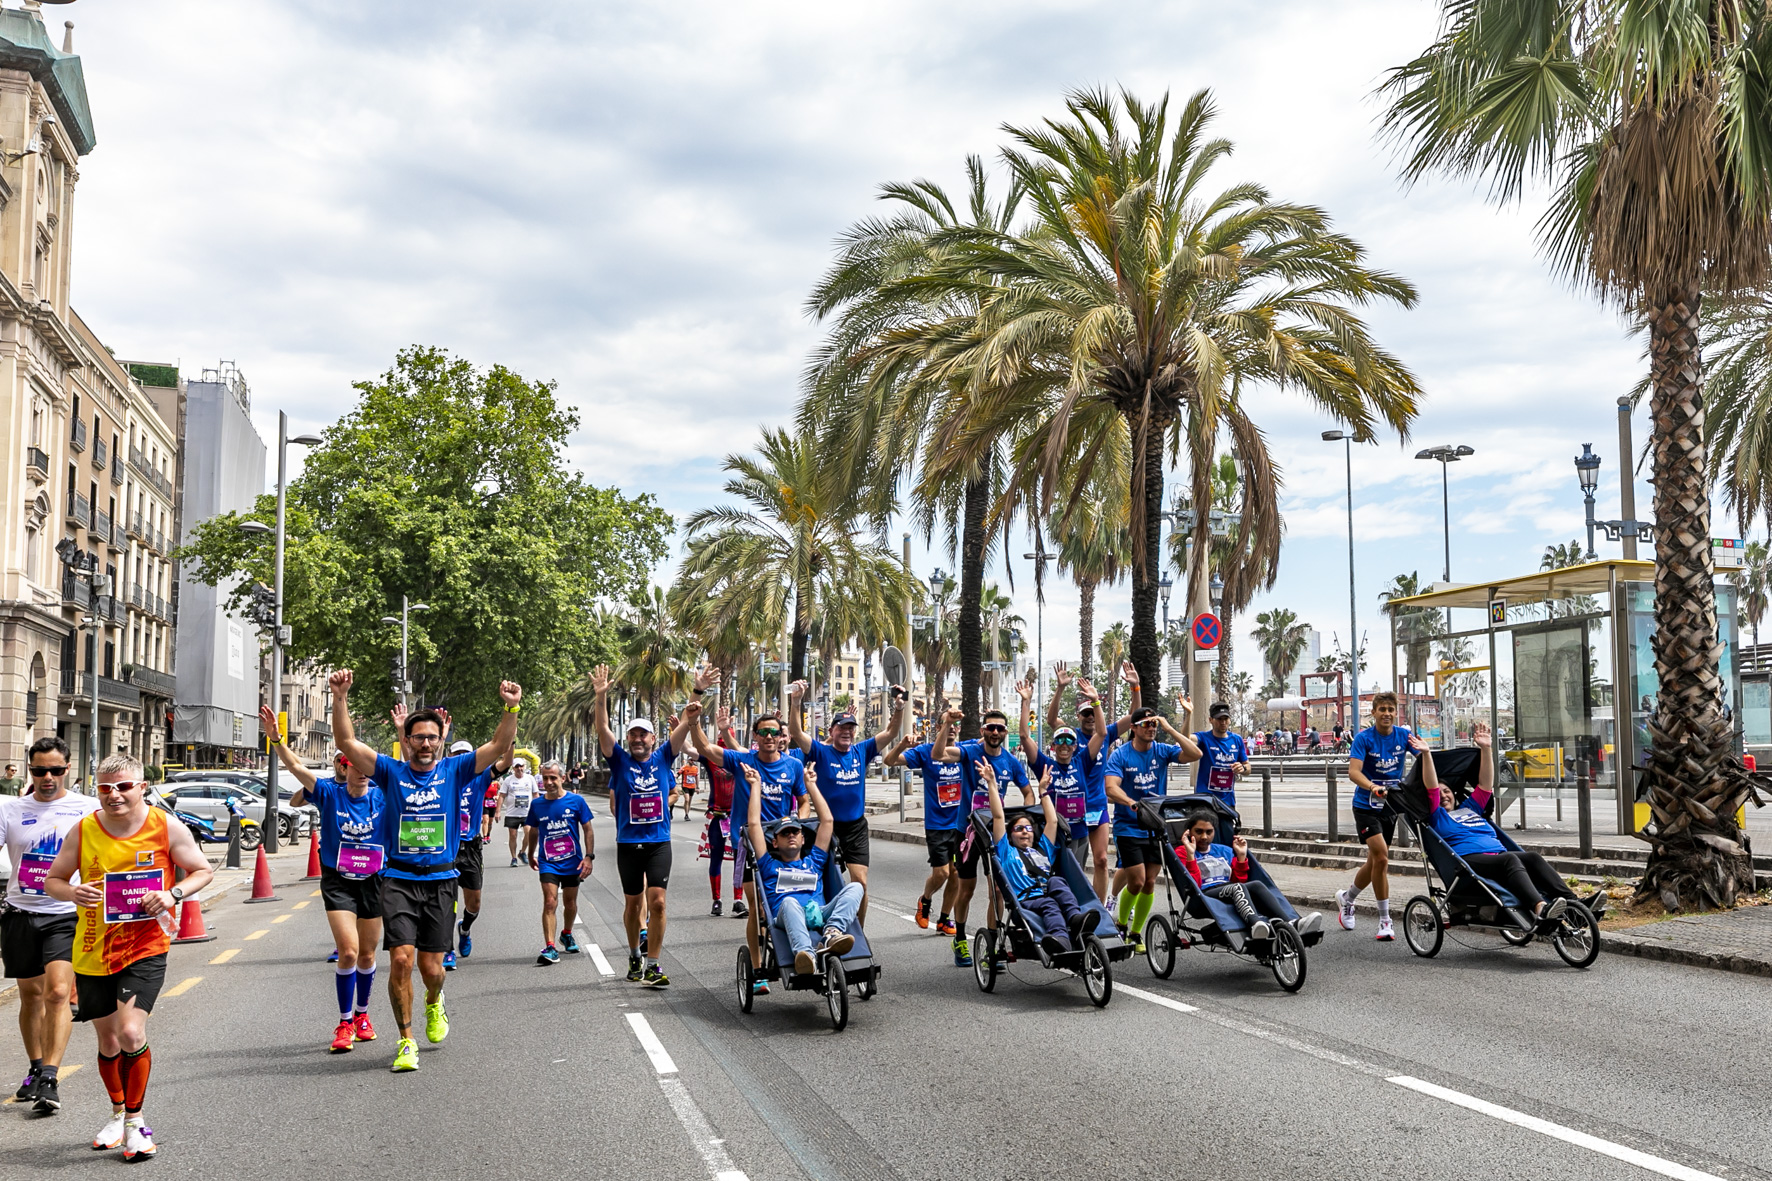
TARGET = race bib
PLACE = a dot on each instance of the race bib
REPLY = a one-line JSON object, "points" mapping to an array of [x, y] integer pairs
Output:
{"points": [[559, 848], [1221, 779], [467, 822], [423, 834], [981, 799], [796, 881], [646, 807], [359, 860], [947, 793], [33, 868], [124, 893], [1094, 815], [1070, 807], [1214, 868]]}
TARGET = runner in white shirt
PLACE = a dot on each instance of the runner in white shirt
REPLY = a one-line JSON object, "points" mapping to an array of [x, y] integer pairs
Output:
{"points": [[515, 792], [37, 932]]}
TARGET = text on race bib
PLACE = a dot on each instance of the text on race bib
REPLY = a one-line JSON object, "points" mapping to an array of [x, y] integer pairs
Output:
{"points": [[358, 859], [124, 893], [423, 834]]}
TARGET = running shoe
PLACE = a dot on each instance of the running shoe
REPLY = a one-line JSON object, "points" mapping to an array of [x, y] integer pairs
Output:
{"points": [[343, 1036], [449, 961], [138, 1141], [716, 911], [1346, 913], [804, 964], [405, 1056], [1260, 930], [655, 977], [923, 913], [513, 862], [27, 1087], [759, 988], [739, 909], [945, 927], [962, 953], [111, 1135], [568, 944], [1385, 935], [361, 1027], [839, 944], [333, 958], [436, 1020], [47, 1099], [634, 972], [1138, 947], [548, 956], [466, 940]]}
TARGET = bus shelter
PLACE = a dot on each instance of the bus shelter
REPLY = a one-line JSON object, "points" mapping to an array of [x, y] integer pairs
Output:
{"points": [[1559, 661]]}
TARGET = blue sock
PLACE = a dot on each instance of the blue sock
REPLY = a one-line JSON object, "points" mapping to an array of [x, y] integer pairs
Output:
{"points": [[342, 979], [365, 984]]}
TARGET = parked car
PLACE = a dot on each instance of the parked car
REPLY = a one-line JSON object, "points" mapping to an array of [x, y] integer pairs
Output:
{"points": [[251, 780], [210, 801], [202, 829]]}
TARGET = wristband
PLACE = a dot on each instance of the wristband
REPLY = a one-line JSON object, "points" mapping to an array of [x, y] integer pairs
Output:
{"points": [[511, 709]]}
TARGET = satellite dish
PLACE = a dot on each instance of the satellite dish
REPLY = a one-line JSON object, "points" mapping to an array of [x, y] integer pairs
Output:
{"points": [[896, 668]]}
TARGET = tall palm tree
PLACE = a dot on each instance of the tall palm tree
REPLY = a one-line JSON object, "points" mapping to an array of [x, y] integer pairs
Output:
{"points": [[1094, 548], [655, 654], [795, 546], [1753, 586], [1283, 638], [1115, 642], [1560, 557], [1416, 626], [1738, 402], [1243, 570], [1651, 123]]}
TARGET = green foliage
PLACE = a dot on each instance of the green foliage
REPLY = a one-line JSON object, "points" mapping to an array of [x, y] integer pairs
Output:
{"points": [[157, 375], [445, 484]]}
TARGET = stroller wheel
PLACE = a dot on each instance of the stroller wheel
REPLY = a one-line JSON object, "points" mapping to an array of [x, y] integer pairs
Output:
{"points": [[1424, 928], [1159, 946], [1577, 938], [745, 997], [836, 991], [984, 959], [1288, 964], [1098, 974]]}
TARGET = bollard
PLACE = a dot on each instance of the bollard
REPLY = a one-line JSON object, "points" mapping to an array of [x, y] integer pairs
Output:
{"points": [[1584, 810], [233, 861], [1267, 802], [1334, 817]]}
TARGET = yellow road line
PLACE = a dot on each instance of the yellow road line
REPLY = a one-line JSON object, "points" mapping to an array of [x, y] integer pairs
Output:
{"points": [[315, 894], [184, 985], [225, 956], [259, 934], [299, 905], [282, 918]]}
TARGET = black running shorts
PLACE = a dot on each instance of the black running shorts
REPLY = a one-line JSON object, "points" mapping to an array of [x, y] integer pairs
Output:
{"points": [[418, 914], [1138, 851], [360, 896], [30, 942], [140, 981], [1372, 822], [470, 864], [849, 841], [643, 865], [971, 849], [566, 881], [944, 844]]}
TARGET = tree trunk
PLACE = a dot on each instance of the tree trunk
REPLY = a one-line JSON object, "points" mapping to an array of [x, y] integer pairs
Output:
{"points": [[971, 623], [1146, 656], [802, 633], [1221, 673], [1698, 855], [1086, 618]]}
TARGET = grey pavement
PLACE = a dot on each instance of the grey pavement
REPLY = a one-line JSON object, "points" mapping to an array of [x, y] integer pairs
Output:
{"points": [[1214, 1072]]}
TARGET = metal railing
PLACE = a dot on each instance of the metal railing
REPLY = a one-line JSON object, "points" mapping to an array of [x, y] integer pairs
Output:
{"points": [[100, 453], [135, 595], [116, 473], [118, 540], [101, 525], [150, 680], [38, 458], [148, 473], [78, 439], [135, 528], [79, 508]]}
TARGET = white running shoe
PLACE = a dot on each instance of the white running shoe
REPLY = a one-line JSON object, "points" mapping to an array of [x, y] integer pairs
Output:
{"points": [[110, 1136], [1261, 930], [1347, 909], [1385, 935], [138, 1141]]}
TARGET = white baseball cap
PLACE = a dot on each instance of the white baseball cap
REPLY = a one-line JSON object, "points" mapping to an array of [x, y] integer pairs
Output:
{"points": [[641, 724], [461, 748]]}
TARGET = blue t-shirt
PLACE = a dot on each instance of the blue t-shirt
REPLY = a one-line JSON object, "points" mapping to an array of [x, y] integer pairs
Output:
{"points": [[1025, 880], [473, 801], [944, 787], [343, 818], [842, 778], [1381, 758], [1215, 864], [784, 782], [1095, 768], [799, 880], [1466, 830], [640, 793], [1143, 775], [1008, 768], [559, 849], [421, 820], [1217, 775], [1069, 790]]}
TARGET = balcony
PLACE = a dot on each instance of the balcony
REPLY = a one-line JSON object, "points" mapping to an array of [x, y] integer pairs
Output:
{"points": [[149, 681], [79, 509], [135, 528], [75, 591], [140, 464], [112, 692], [159, 542], [135, 595], [101, 526], [116, 473], [118, 541], [100, 453], [78, 440], [37, 460]]}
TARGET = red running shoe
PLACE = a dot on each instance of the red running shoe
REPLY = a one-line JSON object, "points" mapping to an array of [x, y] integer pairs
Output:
{"points": [[923, 913], [342, 1036], [364, 1031]]}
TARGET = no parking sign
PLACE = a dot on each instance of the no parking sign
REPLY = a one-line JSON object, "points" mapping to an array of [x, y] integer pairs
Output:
{"points": [[1207, 629]]}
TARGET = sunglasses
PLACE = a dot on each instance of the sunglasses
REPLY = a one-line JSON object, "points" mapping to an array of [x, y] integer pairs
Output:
{"points": [[996, 729], [1022, 828], [769, 734], [61, 770], [1064, 742], [119, 788]]}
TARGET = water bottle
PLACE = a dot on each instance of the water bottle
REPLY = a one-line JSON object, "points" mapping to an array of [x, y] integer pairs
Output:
{"points": [[167, 922]]}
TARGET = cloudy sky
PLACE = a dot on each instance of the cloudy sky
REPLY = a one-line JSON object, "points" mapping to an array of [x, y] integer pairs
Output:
{"points": [[633, 200]]}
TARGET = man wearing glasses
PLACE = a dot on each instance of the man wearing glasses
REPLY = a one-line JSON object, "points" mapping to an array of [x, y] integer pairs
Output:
{"points": [[1005, 769], [37, 931], [420, 831], [125, 855], [1139, 770]]}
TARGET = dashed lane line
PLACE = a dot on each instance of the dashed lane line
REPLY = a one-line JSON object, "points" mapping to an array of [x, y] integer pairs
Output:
{"points": [[604, 968], [225, 956], [1157, 999], [299, 905], [661, 1058], [282, 918], [259, 934], [708, 1146], [183, 986]]}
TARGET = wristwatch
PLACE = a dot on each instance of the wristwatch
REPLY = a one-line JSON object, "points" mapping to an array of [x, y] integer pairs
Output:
{"points": [[178, 893]]}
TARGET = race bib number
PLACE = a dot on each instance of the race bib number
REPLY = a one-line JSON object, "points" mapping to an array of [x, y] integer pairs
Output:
{"points": [[1221, 779], [646, 808], [559, 848], [467, 822], [359, 860], [423, 834], [1069, 807], [947, 794], [1214, 869], [124, 893], [33, 868], [981, 799], [796, 881]]}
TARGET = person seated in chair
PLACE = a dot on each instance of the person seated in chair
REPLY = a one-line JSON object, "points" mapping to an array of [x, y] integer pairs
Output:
{"points": [[1538, 887], [1029, 867], [1223, 873], [790, 878]]}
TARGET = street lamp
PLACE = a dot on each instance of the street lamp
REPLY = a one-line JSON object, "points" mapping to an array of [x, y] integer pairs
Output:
{"points": [[402, 685], [1165, 585], [1446, 453], [1346, 439], [1587, 470]]}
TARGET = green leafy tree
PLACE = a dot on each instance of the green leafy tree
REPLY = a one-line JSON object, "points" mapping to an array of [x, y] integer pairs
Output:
{"points": [[445, 483]]}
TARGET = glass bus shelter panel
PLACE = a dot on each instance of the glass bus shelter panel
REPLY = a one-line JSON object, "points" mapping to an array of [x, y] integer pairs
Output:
{"points": [[1645, 682]]}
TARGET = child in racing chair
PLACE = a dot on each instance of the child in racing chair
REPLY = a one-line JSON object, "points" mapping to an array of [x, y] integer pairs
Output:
{"points": [[1223, 873], [1027, 864], [791, 878]]}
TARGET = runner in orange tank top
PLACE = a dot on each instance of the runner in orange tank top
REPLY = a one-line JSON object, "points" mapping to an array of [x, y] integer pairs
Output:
{"points": [[126, 854]]}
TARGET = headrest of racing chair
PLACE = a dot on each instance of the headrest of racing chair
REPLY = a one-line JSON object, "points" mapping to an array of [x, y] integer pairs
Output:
{"points": [[1457, 771], [1185, 808]]}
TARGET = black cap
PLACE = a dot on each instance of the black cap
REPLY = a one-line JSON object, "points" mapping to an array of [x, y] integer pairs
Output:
{"points": [[1141, 714], [1219, 710]]}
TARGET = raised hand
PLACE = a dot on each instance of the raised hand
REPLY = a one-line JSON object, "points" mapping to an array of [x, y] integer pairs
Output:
{"points": [[899, 694], [1061, 675], [796, 691], [1480, 735], [267, 720], [1025, 689], [510, 692], [1128, 672], [955, 715], [751, 776], [706, 678], [1418, 746], [985, 771], [447, 723], [398, 714], [723, 718], [1086, 690], [600, 679], [340, 681], [692, 710], [1239, 846]]}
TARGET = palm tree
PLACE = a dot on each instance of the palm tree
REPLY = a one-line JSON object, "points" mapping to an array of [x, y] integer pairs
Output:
{"points": [[1738, 402], [1649, 121], [1243, 570], [1138, 307], [1416, 626], [1283, 638], [795, 548], [654, 653], [1112, 650], [1753, 586], [1094, 547], [1561, 557]]}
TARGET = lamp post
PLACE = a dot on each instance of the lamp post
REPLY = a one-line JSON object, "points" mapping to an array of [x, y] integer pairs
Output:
{"points": [[1039, 558], [1346, 439], [1587, 470], [403, 686], [1446, 453], [1165, 586]]}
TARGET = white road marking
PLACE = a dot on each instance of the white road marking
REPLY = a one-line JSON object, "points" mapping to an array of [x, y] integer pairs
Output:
{"points": [[1642, 1160], [1157, 999], [710, 1147], [598, 958], [661, 1058], [909, 918]]}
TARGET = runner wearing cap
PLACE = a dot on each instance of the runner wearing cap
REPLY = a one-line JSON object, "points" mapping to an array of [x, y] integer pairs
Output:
{"points": [[470, 863], [1094, 744], [1224, 756], [842, 767], [1139, 770], [515, 792], [1068, 787], [1006, 769]]}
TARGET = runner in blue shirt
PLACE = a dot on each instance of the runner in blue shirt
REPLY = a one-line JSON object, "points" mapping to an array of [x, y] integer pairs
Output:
{"points": [[1224, 756], [1375, 764], [944, 820], [559, 843], [420, 831], [1139, 770], [842, 766], [1068, 787], [470, 862], [1094, 744], [350, 876], [1006, 769], [642, 792]]}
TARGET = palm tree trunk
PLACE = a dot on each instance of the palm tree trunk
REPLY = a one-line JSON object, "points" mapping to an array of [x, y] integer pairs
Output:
{"points": [[802, 633], [971, 622], [1086, 618], [1698, 855], [1221, 672], [1146, 657]]}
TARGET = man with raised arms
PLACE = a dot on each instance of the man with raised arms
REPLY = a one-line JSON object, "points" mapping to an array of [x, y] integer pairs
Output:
{"points": [[1095, 742]]}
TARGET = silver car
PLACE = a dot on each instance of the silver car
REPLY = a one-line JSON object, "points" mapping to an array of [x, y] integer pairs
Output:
{"points": [[210, 800]]}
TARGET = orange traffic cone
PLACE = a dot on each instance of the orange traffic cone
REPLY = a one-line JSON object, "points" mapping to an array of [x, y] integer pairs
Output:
{"points": [[261, 880], [191, 927], [313, 855]]}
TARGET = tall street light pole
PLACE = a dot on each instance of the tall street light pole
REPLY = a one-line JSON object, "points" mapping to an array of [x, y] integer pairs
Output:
{"points": [[1446, 454], [407, 607], [1353, 615]]}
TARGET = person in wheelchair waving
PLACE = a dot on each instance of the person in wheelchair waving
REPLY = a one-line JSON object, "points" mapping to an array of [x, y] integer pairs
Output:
{"points": [[789, 878], [1223, 872], [1027, 864]]}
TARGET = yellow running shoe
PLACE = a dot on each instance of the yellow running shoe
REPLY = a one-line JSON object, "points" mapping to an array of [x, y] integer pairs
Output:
{"points": [[436, 1020], [405, 1056]]}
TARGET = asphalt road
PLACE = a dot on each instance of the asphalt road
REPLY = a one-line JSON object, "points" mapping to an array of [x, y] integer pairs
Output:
{"points": [[1479, 1064]]}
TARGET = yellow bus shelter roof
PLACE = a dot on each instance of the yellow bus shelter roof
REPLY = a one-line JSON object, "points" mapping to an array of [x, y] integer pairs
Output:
{"points": [[1589, 578]]}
